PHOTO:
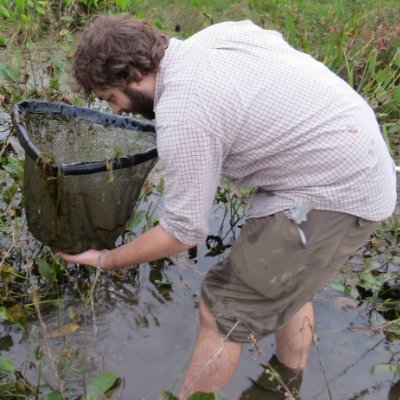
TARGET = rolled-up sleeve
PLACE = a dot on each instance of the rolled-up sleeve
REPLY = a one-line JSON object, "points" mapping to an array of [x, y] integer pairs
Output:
{"points": [[191, 160]]}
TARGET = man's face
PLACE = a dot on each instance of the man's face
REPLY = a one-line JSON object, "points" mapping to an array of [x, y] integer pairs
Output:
{"points": [[130, 100]]}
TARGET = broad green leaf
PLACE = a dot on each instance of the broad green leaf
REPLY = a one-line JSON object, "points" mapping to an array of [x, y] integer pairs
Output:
{"points": [[40, 10], [20, 6], [335, 284], [396, 58], [3, 313], [27, 19], [6, 365], [47, 270], [2, 41], [123, 4], [396, 95], [54, 396], [4, 12], [4, 387], [9, 73], [30, 45], [15, 169], [136, 219], [372, 63], [104, 382], [140, 14], [386, 367], [160, 186]]}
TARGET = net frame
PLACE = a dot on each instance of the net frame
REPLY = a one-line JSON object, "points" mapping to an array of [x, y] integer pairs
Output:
{"points": [[68, 205], [51, 168]]}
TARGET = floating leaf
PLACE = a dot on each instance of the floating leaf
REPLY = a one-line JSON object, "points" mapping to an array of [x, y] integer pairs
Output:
{"points": [[6, 365], [386, 367], [103, 382], [64, 330]]}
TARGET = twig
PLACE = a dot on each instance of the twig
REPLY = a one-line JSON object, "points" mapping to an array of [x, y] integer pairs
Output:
{"points": [[321, 364], [46, 340]]}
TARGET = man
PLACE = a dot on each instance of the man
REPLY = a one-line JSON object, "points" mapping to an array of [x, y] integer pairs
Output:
{"points": [[237, 100]]}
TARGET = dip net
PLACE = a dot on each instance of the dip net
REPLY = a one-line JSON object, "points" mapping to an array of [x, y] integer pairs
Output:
{"points": [[84, 170]]}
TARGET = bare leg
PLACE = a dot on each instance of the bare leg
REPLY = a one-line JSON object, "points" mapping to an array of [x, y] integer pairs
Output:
{"points": [[213, 361], [294, 339]]}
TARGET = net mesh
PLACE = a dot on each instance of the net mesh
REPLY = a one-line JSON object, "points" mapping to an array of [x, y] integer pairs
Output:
{"points": [[73, 213], [66, 139]]}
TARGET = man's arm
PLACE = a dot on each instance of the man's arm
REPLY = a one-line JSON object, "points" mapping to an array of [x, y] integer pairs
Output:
{"points": [[152, 245]]}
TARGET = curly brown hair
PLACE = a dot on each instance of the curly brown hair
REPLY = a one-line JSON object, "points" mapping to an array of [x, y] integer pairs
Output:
{"points": [[114, 49]]}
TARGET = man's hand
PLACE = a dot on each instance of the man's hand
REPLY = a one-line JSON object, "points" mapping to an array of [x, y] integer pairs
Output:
{"points": [[152, 245], [89, 257]]}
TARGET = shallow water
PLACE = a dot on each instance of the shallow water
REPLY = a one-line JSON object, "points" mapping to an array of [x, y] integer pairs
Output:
{"points": [[145, 331]]}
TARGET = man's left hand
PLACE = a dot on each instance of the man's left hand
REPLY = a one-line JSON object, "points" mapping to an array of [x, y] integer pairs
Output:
{"points": [[89, 257]]}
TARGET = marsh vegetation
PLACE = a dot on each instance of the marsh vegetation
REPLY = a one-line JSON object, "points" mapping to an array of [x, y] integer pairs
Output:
{"points": [[51, 311]]}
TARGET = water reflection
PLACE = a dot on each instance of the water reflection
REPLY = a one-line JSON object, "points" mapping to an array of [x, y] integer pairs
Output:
{"points": [[6, 342], [394, 392]]}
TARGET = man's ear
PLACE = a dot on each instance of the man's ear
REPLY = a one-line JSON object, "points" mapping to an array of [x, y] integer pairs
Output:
{"points": [[135, 75]]}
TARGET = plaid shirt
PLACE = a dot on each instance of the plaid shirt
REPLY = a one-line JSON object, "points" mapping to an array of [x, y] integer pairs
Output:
{"points": [[237, 100]]}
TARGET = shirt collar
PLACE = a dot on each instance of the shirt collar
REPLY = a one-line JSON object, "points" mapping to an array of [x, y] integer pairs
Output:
{"points": [[166, 62]]}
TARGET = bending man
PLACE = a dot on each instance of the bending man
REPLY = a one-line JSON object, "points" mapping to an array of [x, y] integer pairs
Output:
{"points": [[237, 100]]}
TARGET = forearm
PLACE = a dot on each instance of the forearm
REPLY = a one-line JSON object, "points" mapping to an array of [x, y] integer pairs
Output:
{"points": [[152, 245]]}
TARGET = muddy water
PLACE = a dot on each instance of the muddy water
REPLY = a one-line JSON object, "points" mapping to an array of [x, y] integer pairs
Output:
{"points": [[145, 331]]}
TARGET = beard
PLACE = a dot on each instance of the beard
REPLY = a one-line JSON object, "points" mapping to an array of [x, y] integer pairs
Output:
{"points": [[140, 103]]}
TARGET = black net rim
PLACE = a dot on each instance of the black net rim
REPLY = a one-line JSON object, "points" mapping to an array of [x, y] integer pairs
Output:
{"points": [[87, 114]]}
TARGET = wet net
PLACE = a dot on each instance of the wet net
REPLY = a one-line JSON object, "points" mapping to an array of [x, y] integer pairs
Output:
{"points": [[84, 170]]}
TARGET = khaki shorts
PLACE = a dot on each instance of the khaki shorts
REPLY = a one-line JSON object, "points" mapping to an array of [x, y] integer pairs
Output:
{"points": [[274, 268]]}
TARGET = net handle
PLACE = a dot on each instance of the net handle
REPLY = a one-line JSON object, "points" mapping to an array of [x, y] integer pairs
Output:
{"points": [[100, 117]]}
